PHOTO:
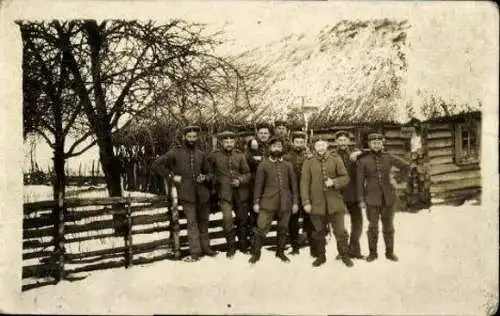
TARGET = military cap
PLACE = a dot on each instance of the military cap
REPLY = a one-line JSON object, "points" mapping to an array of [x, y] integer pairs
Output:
{"points": [[262, 125], [374, 136], [275, 140], [280, 123], [341, 133], [298, 134], [191, 128], [226, 135]]}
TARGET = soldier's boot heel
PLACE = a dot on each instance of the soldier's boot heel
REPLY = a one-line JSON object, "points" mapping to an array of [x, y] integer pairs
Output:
{"points": [[389, 246], [347, 261], [372, 245], [321, 259], [280, 251], [257, 244]]}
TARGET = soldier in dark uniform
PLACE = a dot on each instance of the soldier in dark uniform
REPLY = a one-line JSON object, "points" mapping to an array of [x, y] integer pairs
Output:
{"points": [[257, 151], [349, 157], [231, 175], [190, 170], [275, 194], [297, 156], [323, 176], [376, 193], [281, 131]]}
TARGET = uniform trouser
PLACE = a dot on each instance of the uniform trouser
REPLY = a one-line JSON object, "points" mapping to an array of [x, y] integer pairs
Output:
{"points": [[319, 222], [356, 227], [241, 211], [264, 221], [294, 227], [197, 224], [386, 215]]}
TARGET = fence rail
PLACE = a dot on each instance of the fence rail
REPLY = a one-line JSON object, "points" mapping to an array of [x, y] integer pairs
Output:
{"points": [[102, 233]]}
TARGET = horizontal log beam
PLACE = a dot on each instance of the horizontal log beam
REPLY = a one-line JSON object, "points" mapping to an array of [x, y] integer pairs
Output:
{"points": [[439, 143], [451, 186], [156, 229], [460, 175], [434, 127], [94, 253], [440, 160], [93, 259], [39, 222], [31, 286], [91, 226], [451, 168], [441, 152], [459, 193], [86, 238], [438, 134]]}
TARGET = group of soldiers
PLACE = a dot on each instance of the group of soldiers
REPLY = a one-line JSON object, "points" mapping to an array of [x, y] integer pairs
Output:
{"points": [[279, 177]]}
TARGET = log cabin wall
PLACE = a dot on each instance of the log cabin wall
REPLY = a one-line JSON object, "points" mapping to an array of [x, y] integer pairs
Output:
{"points": [[454, 159]]}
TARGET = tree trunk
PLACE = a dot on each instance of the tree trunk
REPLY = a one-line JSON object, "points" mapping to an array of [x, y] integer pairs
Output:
{"points": [[111, 167]]}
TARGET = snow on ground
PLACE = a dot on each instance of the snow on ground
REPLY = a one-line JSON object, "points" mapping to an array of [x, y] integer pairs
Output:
{"points": [[446, 267]]}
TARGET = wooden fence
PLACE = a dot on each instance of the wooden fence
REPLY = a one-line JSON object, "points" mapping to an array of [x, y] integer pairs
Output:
{"points": [[62, 242]]}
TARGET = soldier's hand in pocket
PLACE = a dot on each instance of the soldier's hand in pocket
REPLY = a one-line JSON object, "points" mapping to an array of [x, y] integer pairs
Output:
{"points": [[295, 209], [200, 178], [307, 208], [177, 179], [256, 208]]}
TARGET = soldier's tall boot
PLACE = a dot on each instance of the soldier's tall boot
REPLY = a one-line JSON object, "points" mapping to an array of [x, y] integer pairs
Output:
{"points": [[257, 241], [281, 243], [312, 246], [243, 244], [320, 251], [344, 249], [231, 245], [372, 245], [389, 246]]}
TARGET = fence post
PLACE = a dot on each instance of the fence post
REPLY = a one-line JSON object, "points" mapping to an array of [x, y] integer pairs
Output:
{"points": [[59, 240], [174, 218], [128, 236]]}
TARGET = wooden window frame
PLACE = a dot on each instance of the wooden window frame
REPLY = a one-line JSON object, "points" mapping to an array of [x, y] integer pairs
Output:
{"points": [[461, 158]]}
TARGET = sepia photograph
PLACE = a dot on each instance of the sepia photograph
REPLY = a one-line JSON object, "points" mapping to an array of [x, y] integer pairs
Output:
{"points": [[249, 157]]}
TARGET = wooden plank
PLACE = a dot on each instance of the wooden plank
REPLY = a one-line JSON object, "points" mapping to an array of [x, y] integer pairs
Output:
{"points": [[37, 284], [450, 168], [455, 176], [37, 254], [38, 222], [35, 244], [39, 270], [439, 143], [451, 186], [396, 143], [94, 253], [152, 245], [437, 134], [393, 133], [459, 193], [156, 229], [38, 233], [150, 219], [97, 266], [434, 161], [91, 226], [440, 152], [86, 237], [95, 259], [79, 215]]}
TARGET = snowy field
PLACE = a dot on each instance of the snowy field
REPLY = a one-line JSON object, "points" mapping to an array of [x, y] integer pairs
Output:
{"points": [[447, 266]]}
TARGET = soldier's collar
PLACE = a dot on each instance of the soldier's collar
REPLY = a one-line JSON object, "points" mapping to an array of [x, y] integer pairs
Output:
{"points": [[275, 160]]}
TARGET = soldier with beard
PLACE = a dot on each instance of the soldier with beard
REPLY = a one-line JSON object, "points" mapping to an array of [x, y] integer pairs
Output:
{"points": [[275, 194], [349, 157], [231, 175], [323, 176], [297, 155], [377, 195], [190, 170]]}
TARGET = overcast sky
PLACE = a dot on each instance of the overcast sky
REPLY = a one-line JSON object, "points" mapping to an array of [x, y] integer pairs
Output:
{"points": [[453, 47]]}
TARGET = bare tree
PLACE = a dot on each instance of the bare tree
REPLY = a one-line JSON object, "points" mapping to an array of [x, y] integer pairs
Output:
{"points": [[117, 70]]}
